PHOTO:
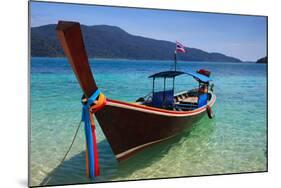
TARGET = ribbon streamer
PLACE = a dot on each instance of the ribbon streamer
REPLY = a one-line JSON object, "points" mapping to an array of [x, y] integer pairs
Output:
{"points": [[93, 104]]}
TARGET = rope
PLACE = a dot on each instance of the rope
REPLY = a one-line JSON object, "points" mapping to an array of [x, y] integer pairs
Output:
{"points": [[87, 117], [68, 150]]}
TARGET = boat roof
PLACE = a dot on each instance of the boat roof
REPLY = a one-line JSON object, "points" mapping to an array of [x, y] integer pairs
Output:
{"points": [[166, 74], [199, 77], [172, 74]]}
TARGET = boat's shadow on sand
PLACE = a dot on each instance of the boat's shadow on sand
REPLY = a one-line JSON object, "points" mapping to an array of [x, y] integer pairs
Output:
{"points": [[72, 170]]}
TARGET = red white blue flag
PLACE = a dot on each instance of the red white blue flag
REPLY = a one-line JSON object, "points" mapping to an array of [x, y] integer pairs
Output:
{"points": [[179, 47]]}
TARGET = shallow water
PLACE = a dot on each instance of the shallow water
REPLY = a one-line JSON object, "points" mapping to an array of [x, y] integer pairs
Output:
{"points": [[234, 141]]}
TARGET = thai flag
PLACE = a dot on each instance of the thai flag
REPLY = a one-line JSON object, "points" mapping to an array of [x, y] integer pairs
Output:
{"points": [[179, 47]]}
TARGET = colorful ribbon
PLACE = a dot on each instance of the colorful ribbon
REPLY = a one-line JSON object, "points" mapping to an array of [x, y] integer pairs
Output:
{"points": [[93, 104]]}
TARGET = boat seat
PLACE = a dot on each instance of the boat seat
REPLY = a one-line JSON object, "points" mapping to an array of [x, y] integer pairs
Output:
{"points": [[190, 100], [181, 97], [163, 98]]}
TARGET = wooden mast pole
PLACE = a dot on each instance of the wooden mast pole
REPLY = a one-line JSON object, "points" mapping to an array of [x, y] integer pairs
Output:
{"points": [[70, 37]]}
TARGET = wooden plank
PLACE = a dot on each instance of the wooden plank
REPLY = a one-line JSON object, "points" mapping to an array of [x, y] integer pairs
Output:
{"points": [[70, 37], [190, 100]]}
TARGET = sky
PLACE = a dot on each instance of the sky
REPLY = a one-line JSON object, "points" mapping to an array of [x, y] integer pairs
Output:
{"points": [[243, 37]]}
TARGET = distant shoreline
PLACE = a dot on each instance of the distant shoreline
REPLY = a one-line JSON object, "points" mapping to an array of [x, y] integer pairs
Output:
{"points": [[153, 60]]}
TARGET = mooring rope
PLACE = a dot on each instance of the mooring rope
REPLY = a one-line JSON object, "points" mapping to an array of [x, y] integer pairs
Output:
{"points": [[65, 155]]}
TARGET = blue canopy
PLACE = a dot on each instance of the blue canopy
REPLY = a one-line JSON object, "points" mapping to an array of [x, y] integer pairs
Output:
{"points": [[199, 77], [166, 74], [171, 74]]}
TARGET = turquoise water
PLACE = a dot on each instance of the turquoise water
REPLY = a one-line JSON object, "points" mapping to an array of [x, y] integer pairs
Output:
{"points": [[234, 141]]}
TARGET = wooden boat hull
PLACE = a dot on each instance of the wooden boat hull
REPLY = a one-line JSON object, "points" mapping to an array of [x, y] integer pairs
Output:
{"points": [[130, 127]]}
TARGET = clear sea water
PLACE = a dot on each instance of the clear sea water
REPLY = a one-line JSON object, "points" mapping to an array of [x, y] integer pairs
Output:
{"points": [[234, 141]]}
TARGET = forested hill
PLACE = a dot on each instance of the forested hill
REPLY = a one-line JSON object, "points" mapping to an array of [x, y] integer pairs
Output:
{"points": [[103, 41], [262, 60]]}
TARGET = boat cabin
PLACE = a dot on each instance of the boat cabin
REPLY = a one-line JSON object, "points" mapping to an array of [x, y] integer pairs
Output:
{"points": [[183, 101]]}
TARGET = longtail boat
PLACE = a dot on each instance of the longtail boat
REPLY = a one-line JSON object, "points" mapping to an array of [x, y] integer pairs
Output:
{"points": [[130, 127]]}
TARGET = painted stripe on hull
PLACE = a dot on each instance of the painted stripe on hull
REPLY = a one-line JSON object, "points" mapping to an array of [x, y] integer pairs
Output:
{"points": [[158, 111]]}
